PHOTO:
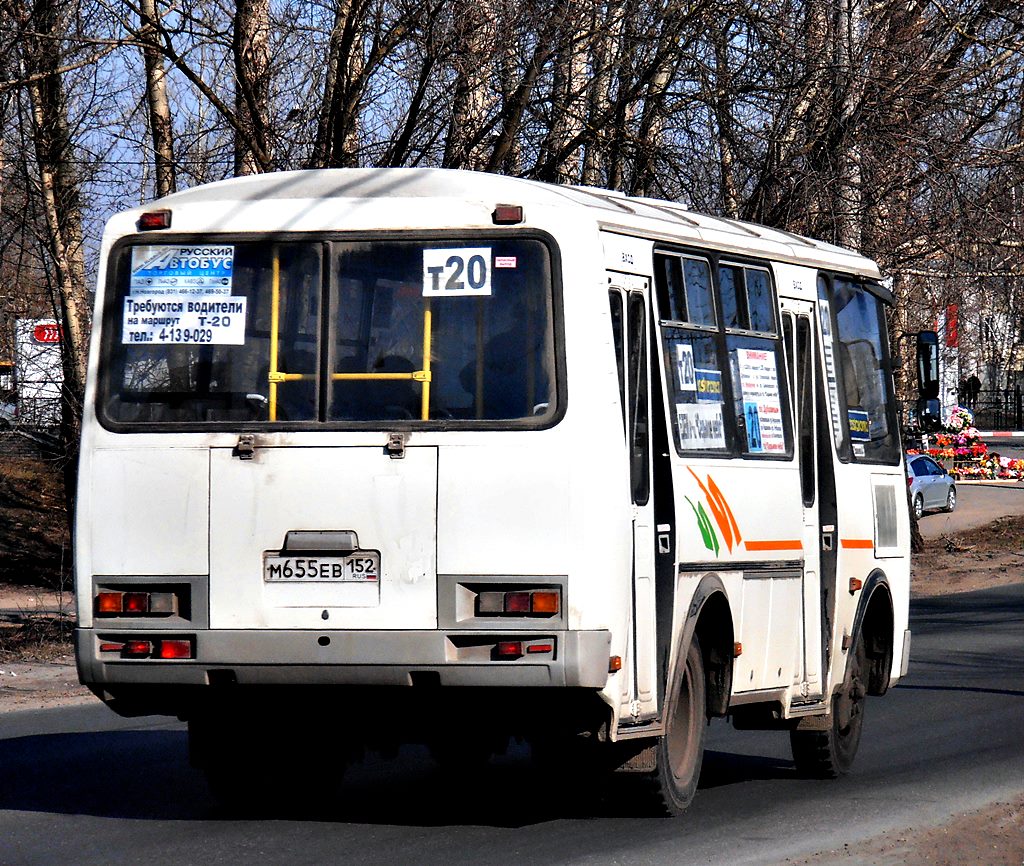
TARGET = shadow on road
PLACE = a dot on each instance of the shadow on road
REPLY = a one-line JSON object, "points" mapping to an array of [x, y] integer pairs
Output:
{"points": [[144, 775], [969, 689]]}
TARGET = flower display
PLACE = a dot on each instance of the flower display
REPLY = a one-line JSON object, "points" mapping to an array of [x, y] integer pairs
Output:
{"points": [[965, 455], [960, 419]]}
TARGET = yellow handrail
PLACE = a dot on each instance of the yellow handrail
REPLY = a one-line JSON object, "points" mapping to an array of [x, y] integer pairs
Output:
{"points": [[425, 410], [423, 376], [274, 376]]}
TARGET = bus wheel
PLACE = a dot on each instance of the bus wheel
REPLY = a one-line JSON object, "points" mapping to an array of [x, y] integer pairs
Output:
{"points": [[829, 754], [680, 752]]}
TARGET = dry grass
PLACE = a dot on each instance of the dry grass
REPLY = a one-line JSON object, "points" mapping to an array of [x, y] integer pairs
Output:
{"points": [[36, 639], [34, 538]]}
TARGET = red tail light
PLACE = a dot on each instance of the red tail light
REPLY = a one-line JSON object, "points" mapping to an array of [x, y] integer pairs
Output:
{"points": [[156, 219], [507, 214], [509, 649], [517, 602], [136, 602], [108, 602], [175, 649], [138, 648], [520, 602]]}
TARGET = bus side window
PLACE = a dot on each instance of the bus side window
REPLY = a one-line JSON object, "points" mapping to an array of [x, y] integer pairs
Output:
{"points": [[804, 385], [638, 402], [618, 338], [690, 342], [864, 370], [759, 377]]}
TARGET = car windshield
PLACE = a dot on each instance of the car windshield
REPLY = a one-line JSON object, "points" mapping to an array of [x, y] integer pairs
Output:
{"points": [[354, 332]]}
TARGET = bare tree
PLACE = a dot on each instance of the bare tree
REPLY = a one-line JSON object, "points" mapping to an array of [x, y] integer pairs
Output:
{"points": [[251, 54], [160, 125]]}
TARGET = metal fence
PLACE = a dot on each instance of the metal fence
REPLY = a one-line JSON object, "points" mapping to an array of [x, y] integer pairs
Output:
{"points": [[998, 409]]}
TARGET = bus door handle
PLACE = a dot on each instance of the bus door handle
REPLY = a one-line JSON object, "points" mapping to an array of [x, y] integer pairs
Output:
{"points": [[827, 538], [664, 538]]}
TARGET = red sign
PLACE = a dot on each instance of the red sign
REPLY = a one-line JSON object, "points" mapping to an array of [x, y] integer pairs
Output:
{"points": [[952, 326], [46, 333]]}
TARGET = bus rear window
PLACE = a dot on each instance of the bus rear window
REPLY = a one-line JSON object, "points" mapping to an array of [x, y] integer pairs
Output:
{"points": [[332, 332]]}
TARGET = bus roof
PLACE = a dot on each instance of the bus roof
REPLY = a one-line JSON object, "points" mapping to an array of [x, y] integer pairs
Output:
{"points": [[614, 211]]}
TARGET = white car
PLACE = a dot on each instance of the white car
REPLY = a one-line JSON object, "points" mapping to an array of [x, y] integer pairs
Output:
{"points": [[931, 487]]}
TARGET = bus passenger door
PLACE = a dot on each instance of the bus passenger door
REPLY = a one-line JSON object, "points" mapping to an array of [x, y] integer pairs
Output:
{"points": [[629, 298], [798, 329]]}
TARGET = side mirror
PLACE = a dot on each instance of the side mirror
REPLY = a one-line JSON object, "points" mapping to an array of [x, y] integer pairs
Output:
{"points": [[928, 365], [929, 415]]}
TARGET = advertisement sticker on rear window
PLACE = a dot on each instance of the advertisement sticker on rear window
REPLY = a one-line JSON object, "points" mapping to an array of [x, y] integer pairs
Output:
{"points": [[184, 320], [182, 270]]}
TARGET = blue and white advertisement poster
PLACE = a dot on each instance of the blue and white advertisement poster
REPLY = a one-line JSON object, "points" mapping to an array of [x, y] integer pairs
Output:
{"points": [[181, 295], [182, 270], [762, 406]]}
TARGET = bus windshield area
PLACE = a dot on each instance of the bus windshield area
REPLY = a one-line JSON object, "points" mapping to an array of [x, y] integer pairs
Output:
{"points": [[330, 332]]}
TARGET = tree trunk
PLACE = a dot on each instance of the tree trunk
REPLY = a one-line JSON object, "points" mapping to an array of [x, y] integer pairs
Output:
{"points": [[337, 136], [472, 98], [252, 86], [724, 121], [161, 128], [609, 31], [42, 31], [561, 155]]}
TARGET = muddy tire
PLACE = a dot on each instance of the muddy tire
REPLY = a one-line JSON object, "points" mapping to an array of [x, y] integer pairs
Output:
{"points": [[679, 754], [830, 753]]}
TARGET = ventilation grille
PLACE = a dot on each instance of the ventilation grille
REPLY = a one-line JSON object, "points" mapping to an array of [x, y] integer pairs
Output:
{"points": [[885, 516]]}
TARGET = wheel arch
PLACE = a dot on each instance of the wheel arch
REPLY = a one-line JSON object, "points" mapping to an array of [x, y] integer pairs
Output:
{"points": [[709, 620], [874, 623]]}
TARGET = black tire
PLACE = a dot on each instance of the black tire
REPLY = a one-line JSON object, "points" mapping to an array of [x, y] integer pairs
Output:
{"points": [[918, 506], [950, 499], [680, 752], [830, 753]]}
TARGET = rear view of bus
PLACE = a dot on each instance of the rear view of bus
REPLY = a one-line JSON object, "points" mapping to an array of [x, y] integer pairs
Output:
{"points": [[319, 481], [387, 456]]}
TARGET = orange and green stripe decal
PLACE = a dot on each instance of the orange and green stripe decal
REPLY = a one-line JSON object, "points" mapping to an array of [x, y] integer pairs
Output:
{"points": [[722, 513]]}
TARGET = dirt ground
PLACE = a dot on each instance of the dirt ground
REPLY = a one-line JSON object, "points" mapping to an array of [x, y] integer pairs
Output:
{"points": [[993, 836], [977, 558], [37, 663]]}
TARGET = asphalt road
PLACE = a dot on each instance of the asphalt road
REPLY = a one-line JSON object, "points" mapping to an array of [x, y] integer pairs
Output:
{"points": [[79, 785], [976, 505]]}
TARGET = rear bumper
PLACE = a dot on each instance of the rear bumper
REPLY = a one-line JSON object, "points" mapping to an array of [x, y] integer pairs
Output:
{"points": [[365, 658]]}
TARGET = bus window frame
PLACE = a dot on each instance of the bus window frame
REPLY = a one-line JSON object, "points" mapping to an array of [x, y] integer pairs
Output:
{"points": [[871, 287], [110, 318], [716, 258]]}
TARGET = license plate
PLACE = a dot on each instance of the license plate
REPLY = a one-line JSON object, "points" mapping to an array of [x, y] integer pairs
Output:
{"points": [[362, 566]]}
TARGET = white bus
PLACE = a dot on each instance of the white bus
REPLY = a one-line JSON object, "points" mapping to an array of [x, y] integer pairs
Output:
{"points": [[378, 456]]}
